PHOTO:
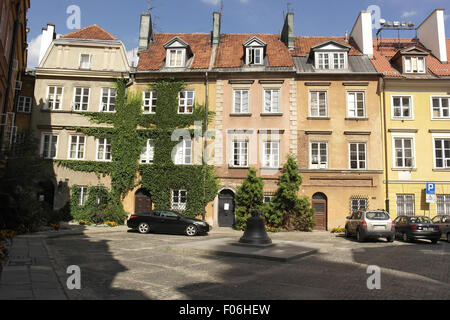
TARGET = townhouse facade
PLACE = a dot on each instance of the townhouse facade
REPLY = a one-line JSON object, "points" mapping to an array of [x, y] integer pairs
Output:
{"points": [[13, 62]]}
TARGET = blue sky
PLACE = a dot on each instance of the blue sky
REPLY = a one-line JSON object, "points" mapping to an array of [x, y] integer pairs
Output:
{"points": [[318, 17]]}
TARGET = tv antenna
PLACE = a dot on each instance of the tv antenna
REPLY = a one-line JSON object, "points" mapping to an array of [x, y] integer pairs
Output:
{"points": [[221, 7]]}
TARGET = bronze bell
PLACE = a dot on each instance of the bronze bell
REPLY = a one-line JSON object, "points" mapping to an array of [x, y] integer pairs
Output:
{"points": [[256, 231]]}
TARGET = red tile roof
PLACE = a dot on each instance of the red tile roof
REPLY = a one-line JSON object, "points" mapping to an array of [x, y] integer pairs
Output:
{"points": [[93, 32], [154, 58], [382, 58], [303, 45], [230, 53]]}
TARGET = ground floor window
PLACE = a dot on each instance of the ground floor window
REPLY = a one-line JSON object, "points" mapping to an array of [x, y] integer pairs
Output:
{"points": [[358, 204], [83, 195], [405, 205], [179, 200], [443, 204]]}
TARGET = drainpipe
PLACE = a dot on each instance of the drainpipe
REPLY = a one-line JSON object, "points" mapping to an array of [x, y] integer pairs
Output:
{"points": [[386, 162], [205, 142]]}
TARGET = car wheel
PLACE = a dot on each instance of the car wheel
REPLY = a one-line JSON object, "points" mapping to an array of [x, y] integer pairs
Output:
{"points": [[434, 241], [191, 230], [359, 236], [405, 237], [347, 234], [390, 239], [143, 228], [448, 237]]}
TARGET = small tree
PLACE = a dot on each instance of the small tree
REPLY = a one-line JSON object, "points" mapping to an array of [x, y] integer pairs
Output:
{"points": [[286, 209], [249, 197]]}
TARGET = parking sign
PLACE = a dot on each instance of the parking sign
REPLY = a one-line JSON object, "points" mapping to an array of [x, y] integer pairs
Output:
{"points": [[431, 192]]}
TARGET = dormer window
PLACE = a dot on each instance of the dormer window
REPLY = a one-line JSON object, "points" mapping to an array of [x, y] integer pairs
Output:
{"points": [[414, 64], [330, 55], [176, 53], [254, 51], [85, 61], [411, 60]]}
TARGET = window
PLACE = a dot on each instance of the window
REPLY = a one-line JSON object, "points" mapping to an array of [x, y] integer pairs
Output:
{"points": [[358, 204], [331, 60], [254, 56], [84, 195], [148, 153], [81, 99], [76, 147], [403, 149], [271, 154], [176, 57], [267, 199], [443, 204], [356, 105], [240, 154], [319, 155], [149, 98], [358, 156], [108, 100], [186, 102], [318, 104], [414, 65], [441, 107], [179, 200], [54, 97], [183, 152], [405, 205], [442, 153], [85, 61], [24, 104], [401, 107], [241, 101], [49, 145], [103, 149], [272, 101]]}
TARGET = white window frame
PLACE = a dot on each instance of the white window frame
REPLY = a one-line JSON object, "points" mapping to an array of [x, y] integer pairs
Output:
{"points": [[355, 106], [441, 137], [80, 61], [46, 154], [179, 205], [411, 64], [357, 152], [318, 92], [24, 104], [403, 211], [241, 110], [103, 154], [178, 52], [443, 207], [53, 103], [148, 153], [184, 151], [402, 108], [413, 151], [242, 158], [272, 107], [321, 57], [83, 94], [318, 165], [77, 147], [149, 106], [359, 200], [271, 159], [250, 55], [186, 105], [84, 195], [441, 117], [108, 97]]}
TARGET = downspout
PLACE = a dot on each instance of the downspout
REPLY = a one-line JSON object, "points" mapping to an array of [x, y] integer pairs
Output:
{"points": [[386, 162], [205, 143]]}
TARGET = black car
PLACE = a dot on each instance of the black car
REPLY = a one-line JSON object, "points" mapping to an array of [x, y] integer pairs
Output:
{"points": [[416, 227], [166, 221], [443, 222]]}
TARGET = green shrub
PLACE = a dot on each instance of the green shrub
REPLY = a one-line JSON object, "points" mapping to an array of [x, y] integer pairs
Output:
{"points": [[249, 198]]}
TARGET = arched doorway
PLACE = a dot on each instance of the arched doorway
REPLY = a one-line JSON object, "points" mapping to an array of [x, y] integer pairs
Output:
{"points": [[226, 208], [142, 201], [320, 205]]}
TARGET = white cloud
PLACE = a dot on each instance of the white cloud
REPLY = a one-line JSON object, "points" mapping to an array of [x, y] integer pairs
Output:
{"points": [[133, 58], [34, 48], [214, 2], [408, 14]]}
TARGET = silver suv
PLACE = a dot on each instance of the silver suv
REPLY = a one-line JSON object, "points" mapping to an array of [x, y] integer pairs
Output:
{"points": [[370, 224]]}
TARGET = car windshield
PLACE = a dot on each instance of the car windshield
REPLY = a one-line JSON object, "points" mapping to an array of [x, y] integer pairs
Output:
{"points": [[377, 215], [420, 220]]}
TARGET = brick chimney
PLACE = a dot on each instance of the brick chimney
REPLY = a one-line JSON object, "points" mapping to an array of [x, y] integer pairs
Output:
{"points": [[287, 34], [146, 31], [362, 33], [217, 16], [432, 34], [48, 35]]}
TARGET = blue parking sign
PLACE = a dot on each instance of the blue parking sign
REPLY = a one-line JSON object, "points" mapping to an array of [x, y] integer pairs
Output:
{"points": [[431, 188]]}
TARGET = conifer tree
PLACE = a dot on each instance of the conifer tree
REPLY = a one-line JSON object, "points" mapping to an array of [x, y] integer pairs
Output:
{"points": [[249, 197]]}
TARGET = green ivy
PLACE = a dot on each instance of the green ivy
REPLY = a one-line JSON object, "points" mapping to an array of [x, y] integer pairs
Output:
{"points": [[128, 139]]}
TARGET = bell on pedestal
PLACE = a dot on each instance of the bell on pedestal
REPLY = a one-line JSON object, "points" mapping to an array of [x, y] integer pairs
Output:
{"points": [[256, 231]]}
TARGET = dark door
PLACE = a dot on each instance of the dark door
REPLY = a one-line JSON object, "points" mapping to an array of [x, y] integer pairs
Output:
{"points": [[319, 204], [142, 201], [226, 209]]}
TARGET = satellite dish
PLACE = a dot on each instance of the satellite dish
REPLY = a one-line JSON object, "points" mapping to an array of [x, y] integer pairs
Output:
{"points": [[382, 22]]}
